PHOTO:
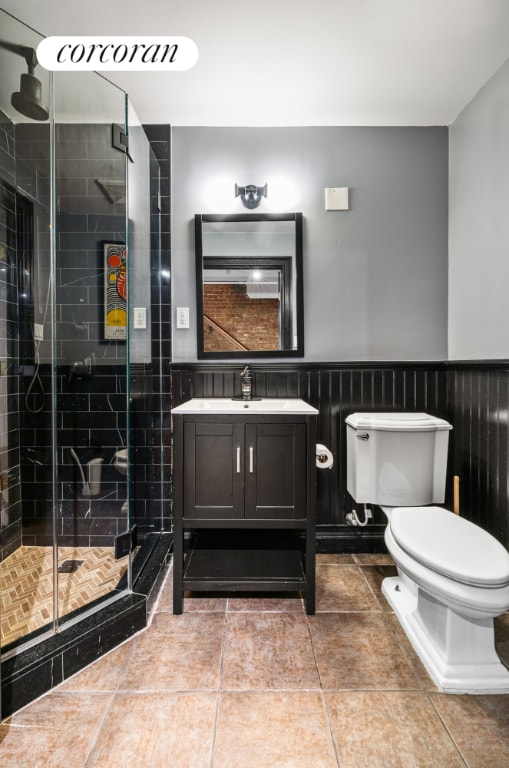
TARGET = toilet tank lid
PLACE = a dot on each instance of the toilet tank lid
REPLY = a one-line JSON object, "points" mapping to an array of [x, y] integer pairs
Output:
{"points": [[391, 421], [451, 545]]}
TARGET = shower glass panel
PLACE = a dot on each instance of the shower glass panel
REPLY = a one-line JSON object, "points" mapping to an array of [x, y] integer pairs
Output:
{"points": [[145, 416], [85, 515], [26, 461], [65, 484], [91, 343]]}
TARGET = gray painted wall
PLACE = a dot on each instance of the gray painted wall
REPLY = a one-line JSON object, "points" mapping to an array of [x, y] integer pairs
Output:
{"points": [[479, 225], [375, 277]]}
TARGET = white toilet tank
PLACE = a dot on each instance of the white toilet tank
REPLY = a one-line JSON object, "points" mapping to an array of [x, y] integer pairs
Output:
{"points": [[397, 459]]}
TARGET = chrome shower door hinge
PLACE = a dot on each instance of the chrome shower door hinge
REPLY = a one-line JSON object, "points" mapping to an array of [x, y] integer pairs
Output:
{"points": [[120, 140], [126, 543]]}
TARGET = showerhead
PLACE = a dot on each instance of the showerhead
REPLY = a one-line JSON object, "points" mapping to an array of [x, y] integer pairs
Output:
{"points": [[27, 100]]}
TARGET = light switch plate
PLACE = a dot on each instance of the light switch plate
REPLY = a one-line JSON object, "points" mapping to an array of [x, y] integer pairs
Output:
{"points": [[336, 199]]}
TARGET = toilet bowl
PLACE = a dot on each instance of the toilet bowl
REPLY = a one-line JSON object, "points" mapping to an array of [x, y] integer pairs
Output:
{"points": [[453, 576], [453, 580]]}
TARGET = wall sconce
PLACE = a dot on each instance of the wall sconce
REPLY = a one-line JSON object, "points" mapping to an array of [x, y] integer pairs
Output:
{"points": [[251, 196]]}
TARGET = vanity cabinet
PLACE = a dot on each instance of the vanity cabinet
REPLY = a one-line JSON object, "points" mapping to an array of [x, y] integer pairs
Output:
{"points": [[244, 503], [242, 470]]}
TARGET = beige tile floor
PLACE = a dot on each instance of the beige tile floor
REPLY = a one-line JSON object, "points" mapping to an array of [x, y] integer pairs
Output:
{"points": [[239, 683]]}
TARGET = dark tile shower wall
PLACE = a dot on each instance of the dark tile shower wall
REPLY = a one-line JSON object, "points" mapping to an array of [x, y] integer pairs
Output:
{"points": [[10, 506], [92, 410], [10, 501], [474, 398], [24, 164], [7, 154], [159, 441]]}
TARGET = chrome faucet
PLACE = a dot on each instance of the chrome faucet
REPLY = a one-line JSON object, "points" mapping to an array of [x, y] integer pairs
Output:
{"points": [[246, 383]]}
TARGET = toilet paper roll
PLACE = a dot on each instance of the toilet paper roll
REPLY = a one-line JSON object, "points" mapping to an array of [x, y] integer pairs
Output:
{"points": [[324, 458]]}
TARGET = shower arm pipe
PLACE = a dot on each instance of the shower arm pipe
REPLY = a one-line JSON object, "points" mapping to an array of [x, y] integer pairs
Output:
{"points": [[24, 51]]}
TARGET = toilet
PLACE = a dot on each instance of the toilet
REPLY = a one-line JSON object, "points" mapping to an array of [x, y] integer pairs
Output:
{"points": [[453, 576]]}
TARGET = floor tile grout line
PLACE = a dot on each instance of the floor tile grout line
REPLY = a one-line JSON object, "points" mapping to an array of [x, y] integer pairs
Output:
{"points": [[310, 635], [219, 690], [331, 729], [155, 609], [99, 729], [134, 640], [214, 732], [446, 727], [406, 655], [385, 610], [371, 589]]}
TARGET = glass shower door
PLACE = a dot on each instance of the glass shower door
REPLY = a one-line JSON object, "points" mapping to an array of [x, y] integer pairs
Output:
{"points": [[81, 377], [91, 344], [26, 543]]}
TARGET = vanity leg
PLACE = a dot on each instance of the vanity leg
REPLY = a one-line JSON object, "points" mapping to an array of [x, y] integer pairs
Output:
{"points": [[310, 573], [178, 565]]}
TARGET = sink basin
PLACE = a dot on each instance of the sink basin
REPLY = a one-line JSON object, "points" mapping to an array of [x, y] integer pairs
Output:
{"points": [[227, 405]]}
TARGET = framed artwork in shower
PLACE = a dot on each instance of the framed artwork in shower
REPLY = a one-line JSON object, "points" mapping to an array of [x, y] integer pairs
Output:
{"points": [[115, 291]]}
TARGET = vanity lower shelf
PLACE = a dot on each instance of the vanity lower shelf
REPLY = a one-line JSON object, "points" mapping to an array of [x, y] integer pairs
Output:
{"points": [[248, 561]]}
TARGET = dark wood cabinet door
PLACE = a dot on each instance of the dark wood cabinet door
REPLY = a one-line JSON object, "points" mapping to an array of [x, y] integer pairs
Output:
{"points": [[214, 470], [275, 471]]}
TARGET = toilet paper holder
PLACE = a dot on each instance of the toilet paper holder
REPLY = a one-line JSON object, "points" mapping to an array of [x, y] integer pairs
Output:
{"points": [[324, 457]]}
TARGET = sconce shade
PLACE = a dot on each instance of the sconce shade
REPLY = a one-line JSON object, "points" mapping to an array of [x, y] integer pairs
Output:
{"points": [[251, 196]]}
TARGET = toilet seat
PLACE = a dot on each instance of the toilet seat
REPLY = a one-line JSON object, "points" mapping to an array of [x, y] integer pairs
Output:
{"points": [[450, 546]]}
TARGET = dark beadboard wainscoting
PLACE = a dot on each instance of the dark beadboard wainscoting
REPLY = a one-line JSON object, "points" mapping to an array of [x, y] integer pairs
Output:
{"points": [[474, 397], [478, 408]]}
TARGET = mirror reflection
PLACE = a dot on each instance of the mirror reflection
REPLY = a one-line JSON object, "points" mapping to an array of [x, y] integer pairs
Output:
{"points": [[249, 285]]}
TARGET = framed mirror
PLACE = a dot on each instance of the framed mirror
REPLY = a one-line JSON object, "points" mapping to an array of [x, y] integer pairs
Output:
{"points": [[249, 292]]}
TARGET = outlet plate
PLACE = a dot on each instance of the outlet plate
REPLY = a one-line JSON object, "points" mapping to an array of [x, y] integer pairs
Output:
{"points": [[182, 317], [140, 317], [38, 332]]}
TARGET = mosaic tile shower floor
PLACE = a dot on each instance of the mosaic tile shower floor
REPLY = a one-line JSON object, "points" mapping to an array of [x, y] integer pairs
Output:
{"points": [[26, 585], [255, 682]]}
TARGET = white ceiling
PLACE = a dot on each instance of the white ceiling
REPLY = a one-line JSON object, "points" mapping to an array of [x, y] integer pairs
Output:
{"points": [[299, 62]]}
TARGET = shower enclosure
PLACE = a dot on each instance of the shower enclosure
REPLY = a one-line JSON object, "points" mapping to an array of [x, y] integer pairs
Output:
{"points": [[82, 464]]}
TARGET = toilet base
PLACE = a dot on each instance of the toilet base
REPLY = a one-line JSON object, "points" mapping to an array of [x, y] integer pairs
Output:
{"points": [[458, 652]]}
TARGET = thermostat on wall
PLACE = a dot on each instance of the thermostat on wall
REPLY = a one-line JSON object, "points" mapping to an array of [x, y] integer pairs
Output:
{"points": [[336, 199]]}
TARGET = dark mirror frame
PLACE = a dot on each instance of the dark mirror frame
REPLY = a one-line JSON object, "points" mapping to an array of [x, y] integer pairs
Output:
{"points": [[297, 275]]}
